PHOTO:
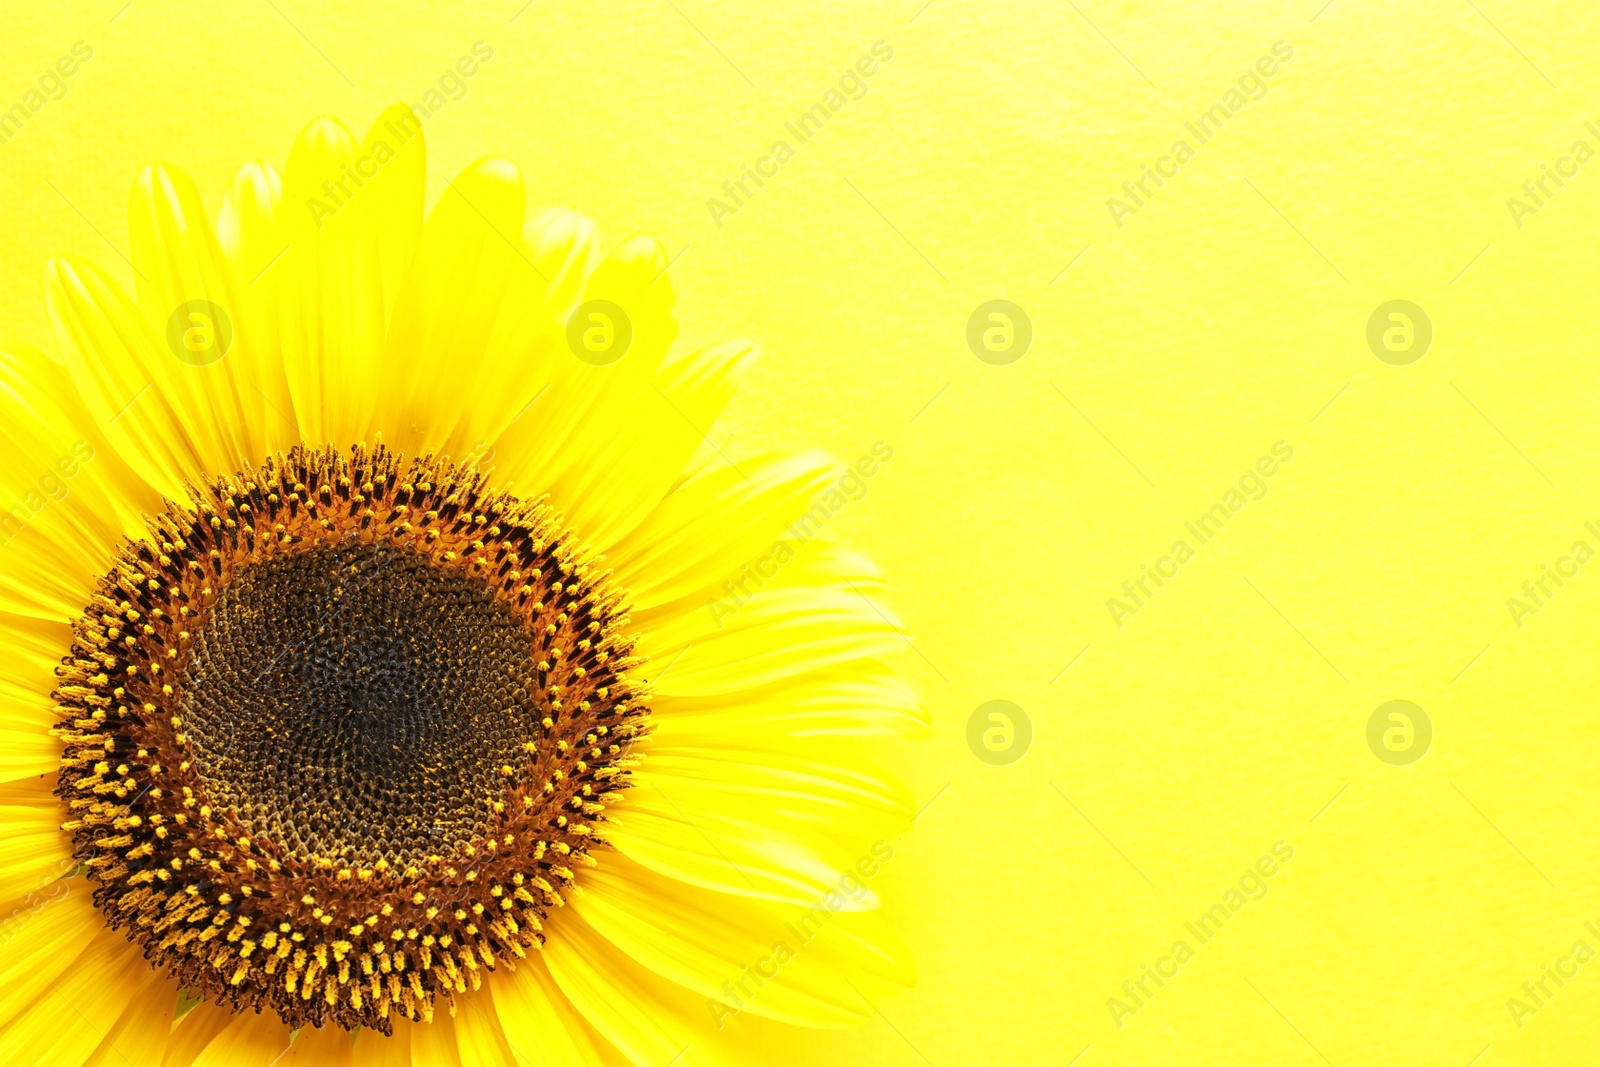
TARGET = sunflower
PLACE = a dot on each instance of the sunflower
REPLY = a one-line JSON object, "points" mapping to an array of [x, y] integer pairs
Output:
{"points": [[386, 678]]}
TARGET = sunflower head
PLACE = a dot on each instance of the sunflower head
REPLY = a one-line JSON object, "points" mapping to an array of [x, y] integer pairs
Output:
{"points": [[405, 670], [338, 731]]}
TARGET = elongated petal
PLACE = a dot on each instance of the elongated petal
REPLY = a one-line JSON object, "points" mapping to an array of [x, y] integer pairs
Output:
{"points": [[140, 1033], [781, 633], [193, 1032], [69, 1020], [42, 943], [575, 421], [719, 528], [393, 162], [188, 293], [325, 1047], [703, 941], [26, 711], [718, 851], [649, 1019], [786, 792], [655, 436], [372, 1049], [248, 1040], [470, 275], [525, 353], [434, 1043], [330, 290], [125, 374], [35, 853], [480, 1041], [871, 700], [541, 1026], [252, 241]]}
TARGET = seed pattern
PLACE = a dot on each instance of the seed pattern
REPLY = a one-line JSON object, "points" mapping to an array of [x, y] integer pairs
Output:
{"points": [[339, 733], [354, 700]]}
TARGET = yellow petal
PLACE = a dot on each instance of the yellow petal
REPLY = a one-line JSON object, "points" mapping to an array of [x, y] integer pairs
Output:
{"points": [[526, 352], [709, 941], [372, 1049], [140, 1033], [44, 941], [574, 422], [194, 1031], [248, 1040], [650, 1020], [565, 247], [27, 752], [470, 280], [325, 1047], [71, 500], [787, 792], [70, 1019], [34, 853], [65, 498], [779, 634], [330, 291], [394, 152], [247, 230], [712, 849], [187, 292], [434, 1043], [711, 528], [38, 394], [252, 241], [870, 700], [124, 371], [27, 713], [479, 1039], [541, 1026], [652, 435]]}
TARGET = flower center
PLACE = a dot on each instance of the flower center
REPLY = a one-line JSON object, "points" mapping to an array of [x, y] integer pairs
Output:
{"points": [[355, 701], [338, 733]]}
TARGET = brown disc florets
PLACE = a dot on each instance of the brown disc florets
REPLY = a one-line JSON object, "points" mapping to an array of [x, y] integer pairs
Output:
{"points": [[339, 731]]}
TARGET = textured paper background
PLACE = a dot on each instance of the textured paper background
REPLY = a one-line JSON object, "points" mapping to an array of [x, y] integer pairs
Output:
{"points": [[1226, 315]]}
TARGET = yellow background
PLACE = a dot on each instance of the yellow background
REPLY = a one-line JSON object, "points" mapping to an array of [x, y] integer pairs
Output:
{"points": [[1221, 318]]}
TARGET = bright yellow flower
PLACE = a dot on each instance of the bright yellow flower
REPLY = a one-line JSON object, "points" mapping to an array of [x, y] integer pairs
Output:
{"points": [[395, 668]]}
